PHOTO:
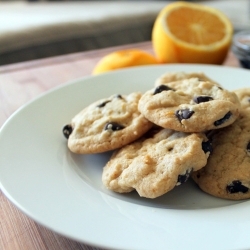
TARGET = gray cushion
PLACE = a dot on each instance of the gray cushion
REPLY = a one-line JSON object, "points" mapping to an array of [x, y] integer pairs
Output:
{"points": [[36, 30]]}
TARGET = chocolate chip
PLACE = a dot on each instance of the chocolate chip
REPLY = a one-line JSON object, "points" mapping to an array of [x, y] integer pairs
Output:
{"points": [[161, 88], [236, 187], [67, 130], [199, 99], [113, 126], [222, 120], [119, 96], [248, 147], [207, 147], [183, 114], [101, 105], [182, 178]]}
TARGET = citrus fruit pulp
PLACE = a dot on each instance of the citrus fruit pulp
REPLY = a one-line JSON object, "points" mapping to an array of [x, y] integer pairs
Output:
{"points": [[191, 33]]}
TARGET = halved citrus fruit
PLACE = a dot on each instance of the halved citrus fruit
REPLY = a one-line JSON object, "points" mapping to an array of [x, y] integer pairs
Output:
{"points": [[186, 32], [123, 59]]}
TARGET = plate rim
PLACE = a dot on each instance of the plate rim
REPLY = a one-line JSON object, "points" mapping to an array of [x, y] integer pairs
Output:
{"points": [[74, 82]]}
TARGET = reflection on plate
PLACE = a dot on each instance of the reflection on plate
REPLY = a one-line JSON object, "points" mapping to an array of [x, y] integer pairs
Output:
{"points": [[64, 192]]}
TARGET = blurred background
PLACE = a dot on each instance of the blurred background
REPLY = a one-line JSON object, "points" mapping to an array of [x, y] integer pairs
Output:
{"points": [[38, 28]]}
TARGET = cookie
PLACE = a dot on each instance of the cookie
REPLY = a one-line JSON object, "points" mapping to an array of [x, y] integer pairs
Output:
{"points": [[190, 105], [244, 97], [155, 164], [177, 76], [106, 125], [227, 173]]}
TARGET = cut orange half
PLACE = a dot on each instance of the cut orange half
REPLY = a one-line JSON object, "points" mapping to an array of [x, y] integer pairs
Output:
{"points": [[191, 33], [123, 59]]}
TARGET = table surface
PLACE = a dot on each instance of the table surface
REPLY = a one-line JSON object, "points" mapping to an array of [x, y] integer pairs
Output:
{"points": [[20, 83]]}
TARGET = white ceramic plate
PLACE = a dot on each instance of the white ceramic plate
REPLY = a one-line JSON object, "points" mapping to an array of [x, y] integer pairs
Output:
{"points": [[64, 192]]}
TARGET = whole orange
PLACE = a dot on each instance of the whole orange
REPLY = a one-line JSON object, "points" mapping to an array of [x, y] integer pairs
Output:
{"points": [[123, 59]]}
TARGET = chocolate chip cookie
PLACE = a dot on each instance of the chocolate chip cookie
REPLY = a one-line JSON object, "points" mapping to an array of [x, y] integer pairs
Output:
{"points": [[106, 125], [227, 173], [244, 97], [177, 76], [156, 163], [190, 105]]}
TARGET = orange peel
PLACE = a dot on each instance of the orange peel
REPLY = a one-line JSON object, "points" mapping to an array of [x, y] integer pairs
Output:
{"points": [[186, 32]]}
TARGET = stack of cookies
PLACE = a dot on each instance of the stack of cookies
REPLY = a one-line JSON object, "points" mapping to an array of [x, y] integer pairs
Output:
{"points": [[186, 126], [227, 172]]}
